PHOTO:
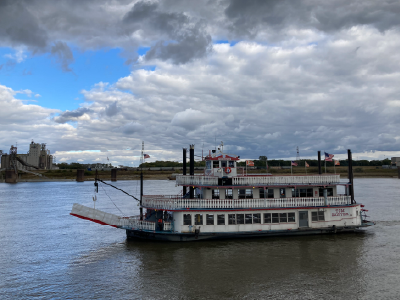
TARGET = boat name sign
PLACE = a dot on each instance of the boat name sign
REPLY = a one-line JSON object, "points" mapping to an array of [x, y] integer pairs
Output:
{"points": [[341, 212]]}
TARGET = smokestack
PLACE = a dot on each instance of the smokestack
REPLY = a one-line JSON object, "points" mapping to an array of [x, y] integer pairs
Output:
{"points": [[319, 163], [191, 169], [351, 187], [184, 168]]}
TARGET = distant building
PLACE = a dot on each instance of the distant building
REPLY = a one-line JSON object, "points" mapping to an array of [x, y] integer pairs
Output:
{"points": [[396, 161], [37, 156]]}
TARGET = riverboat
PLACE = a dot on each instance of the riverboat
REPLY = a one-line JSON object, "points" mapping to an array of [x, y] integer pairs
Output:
{"points": [[226, 202]]}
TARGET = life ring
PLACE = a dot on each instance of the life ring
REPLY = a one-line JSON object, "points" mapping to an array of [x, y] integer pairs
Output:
{"points": [[228, 170]]}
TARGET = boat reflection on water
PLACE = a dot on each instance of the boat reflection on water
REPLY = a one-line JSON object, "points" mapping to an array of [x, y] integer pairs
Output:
{"points": [[308, 266]]}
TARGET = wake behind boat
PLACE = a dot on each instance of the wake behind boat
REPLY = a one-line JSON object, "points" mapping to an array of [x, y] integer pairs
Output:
{"points": [[225, 202]]}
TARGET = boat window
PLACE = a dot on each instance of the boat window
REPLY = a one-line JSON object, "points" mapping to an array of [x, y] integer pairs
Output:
{"points": [[275, 218], [231, 219], [210, 219], [198, 219], [283, 218], [270, 193], [228, 194], [282, 192], [267, 218], [256, 218], [318, 216], [242, 194], [262, 195], [187, 219], [302, 192], [220, 219], [329, 192], [223, 163], [314, 216], [249, 194], [208, 164], [215, 164], [231, 164], [291, 217], [240, 219], [248, 218], [215, 194]]}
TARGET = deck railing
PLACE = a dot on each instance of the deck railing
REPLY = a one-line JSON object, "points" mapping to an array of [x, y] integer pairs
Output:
{"points": [[258, 180], [174, 202], [145, 225]]}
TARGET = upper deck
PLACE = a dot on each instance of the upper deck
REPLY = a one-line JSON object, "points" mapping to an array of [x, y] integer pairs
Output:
{"points": [[203, 180]]}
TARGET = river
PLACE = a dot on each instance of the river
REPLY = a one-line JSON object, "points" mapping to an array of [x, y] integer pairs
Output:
{"points": [[48, 254]]}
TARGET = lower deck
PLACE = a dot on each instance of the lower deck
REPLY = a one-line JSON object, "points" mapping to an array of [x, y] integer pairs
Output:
{"points": [[250, 221], [198, 235]]}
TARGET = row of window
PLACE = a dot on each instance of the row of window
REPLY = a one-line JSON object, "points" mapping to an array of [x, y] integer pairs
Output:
{"points": [[269, 193], [216, 164], [234, 219]]}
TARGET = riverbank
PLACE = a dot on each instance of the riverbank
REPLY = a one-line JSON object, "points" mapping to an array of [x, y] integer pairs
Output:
{"points": [[70, 175]]}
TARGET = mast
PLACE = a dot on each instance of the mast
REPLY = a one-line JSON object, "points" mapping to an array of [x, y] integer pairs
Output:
{"points": [[184, 170], [141, 182], [351, 187], [191, 189], [319, 163]]}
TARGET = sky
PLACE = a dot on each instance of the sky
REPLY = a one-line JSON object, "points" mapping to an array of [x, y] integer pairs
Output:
{"points": [[94, 78]]}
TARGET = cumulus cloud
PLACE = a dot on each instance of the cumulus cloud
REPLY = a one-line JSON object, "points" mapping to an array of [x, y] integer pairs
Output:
{"points": [[75, 115], [264, 76], [63, 55], [112, 109], [131, 128]]}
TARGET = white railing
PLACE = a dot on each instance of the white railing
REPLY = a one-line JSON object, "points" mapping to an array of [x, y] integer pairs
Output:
{"points": [[258, 180], [144, 225], [167, 226], [174, 202], [196, 180]]}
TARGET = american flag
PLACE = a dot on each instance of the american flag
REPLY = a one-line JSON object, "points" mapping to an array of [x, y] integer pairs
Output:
{"points": [[328, 157], [294, 163], [307, 165], [146, 156]]}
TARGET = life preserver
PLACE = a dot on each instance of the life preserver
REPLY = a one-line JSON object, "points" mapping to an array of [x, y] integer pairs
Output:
{"points": [[228, 170]]}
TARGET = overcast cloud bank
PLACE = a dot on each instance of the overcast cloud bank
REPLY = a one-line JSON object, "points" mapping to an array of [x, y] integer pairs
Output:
{"points": [[291, 73]]}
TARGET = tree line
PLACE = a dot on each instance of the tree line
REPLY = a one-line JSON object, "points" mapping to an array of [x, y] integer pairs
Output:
{"points": [[261, 163]]}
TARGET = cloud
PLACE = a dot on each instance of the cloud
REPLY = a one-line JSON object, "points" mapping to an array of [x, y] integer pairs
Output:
{"points": [[112, 109], [263, 76], [63, 55], [75, 115], [131, 128]]}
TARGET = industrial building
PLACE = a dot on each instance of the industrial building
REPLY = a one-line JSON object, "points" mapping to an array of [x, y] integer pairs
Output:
{"points": [[38, 157], [395, 161]]}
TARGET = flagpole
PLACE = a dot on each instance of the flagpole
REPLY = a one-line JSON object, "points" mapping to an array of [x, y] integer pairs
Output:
{"points": [[305, 167], [325, 160], [334, 166], [291, 168]]}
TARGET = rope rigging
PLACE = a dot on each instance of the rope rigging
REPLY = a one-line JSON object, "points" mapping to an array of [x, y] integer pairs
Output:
{"points": [[118, 189]]}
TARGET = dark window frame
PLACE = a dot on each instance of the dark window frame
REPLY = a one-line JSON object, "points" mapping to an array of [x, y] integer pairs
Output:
{"points": [[239, 219], [231, 219], [210, 219], [267, 218], [215, 194], [257, 218], [248, 218], [196, 219], [220, 219], [187, 219]]}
